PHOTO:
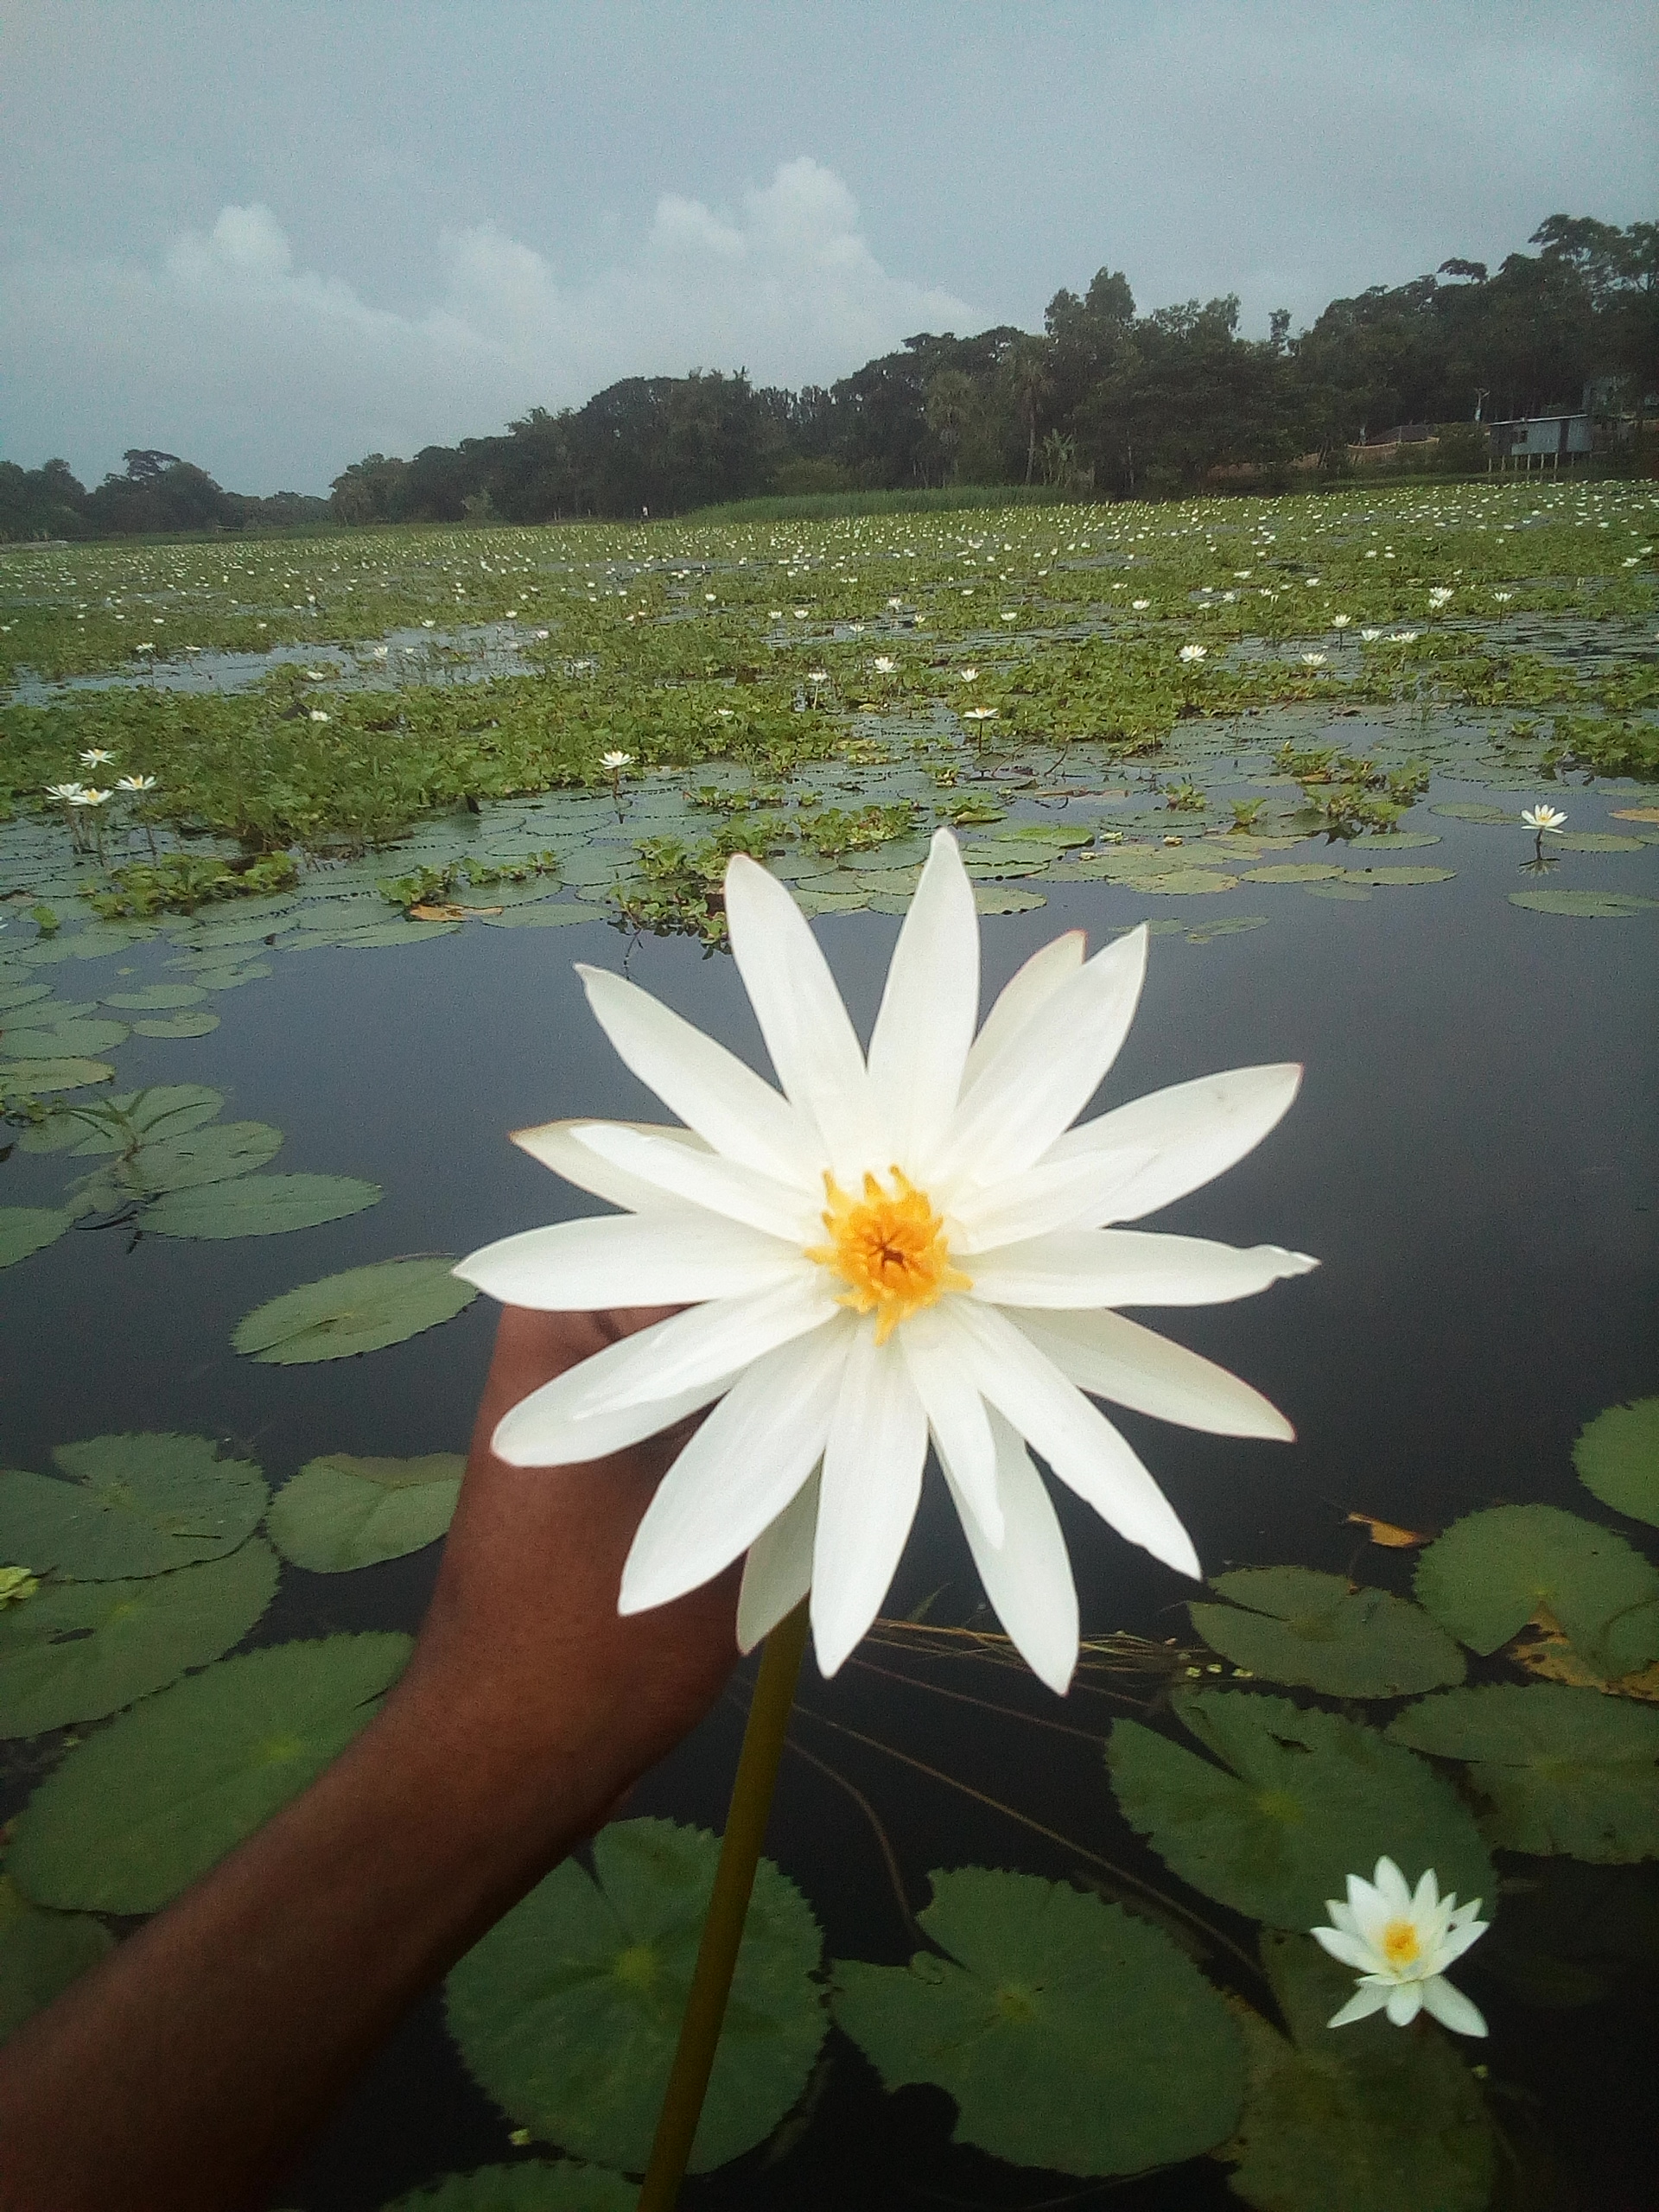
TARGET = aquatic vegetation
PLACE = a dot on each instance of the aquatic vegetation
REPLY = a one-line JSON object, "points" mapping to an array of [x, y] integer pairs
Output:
{"points": [[1399, 1942], [182, 882]]}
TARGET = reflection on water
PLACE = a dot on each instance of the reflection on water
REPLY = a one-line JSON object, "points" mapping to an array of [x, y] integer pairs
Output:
{"points": [[1473, 1156]]}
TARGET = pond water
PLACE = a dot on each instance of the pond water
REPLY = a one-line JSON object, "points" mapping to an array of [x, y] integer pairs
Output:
{"points": [[1471, 1158], [1435, 1629]]}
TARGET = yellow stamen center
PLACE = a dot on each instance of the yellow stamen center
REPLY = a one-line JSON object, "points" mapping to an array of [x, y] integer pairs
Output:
{"points": [[1400, 1946], [889, 1248]]}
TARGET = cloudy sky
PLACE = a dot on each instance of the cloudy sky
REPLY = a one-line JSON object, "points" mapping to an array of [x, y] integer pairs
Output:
{"points": [[274, 236]]}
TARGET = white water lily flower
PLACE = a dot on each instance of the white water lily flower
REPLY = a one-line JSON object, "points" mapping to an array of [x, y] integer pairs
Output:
{"points": [[882, 665], [1543, 817], [135, 783], [911, 1244], [1194, 652], [1401, 1944], [1140, 605], [1313, 660], [94, 757], [89, 797], [318, 715], [615, 760], [70, 794]]}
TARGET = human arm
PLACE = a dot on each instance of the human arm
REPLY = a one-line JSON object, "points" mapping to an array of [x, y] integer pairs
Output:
{"points": [[186, 2070]]}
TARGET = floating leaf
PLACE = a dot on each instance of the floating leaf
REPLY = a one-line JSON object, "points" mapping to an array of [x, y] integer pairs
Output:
{"points": [[1304, 1800], [182, 1025], [1388, 1533], [529, 2186], [1070, 2035], [13, 996], [1636, 814], [161, 1111], [24, 1229], [567, 2011], [1357, 893], [1546, 1653], [82, 1649], [1588, 905], [41, 1954], [213, 1153], [149, 1803], [66, 1040], [540, 918], [155, 998], [259, 1205], [1560, 1770], [69, 1073], [1617, 1459], [361, 1310], [1295, 872], [996, 899], [1403, 875], [1360, 2119], [230, 979], [1594, 840], [340, 1512], [1470, 810], [132, 1506], [1315, 1631], [1492, 1572]]}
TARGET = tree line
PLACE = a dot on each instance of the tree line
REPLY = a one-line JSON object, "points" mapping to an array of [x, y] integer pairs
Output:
{"points": [[1102, 398]]}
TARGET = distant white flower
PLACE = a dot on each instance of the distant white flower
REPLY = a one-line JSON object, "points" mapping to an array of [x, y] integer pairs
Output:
{"points": [[1403, 637], [1400, 1945], [1340, 621], [1440, 595], [882, 665], [1241, 576], [1194, 652], [801, 613], [818, 676], [1504, 595], [380, 652], [906, 1245], [90, 796], [135, 783], [431, 623], [979, 715], [968, 674], [67, 794], [894, 605], [1313, 660], [774, 614], [318, 715], [1011, 618], [146, 647], [541, 634], [615, 760], [1140, 605], [94, 757], [1542, 817], [1371, 636], [317, 675]]}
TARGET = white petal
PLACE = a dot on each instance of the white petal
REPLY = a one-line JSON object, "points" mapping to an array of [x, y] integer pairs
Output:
{"points": [[655, 1258], [556, 1147], [919, 1045], [872, 1481], [803, 1020], [1196, 1131], [1457, 1940], [711, 1089], [1055, 1194], [1341, 1916], [1103, 1352], [540, 1431], [739, 1471], [1452, 2008], [1078, 1441], [1048, 1069], [692, 1348], [1027, 1577], [1425, 1898], [777, 1573], [1360, 2006], [941, 1365], [703, 1179], [1029, 988], [1129, 1267], [1349, 1949], [1405, 2002], [1392, 1889]]}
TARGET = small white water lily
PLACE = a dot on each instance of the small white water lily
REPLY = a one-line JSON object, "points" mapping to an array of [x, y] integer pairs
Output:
{"points": [[613, 761], [909, 1245], [88, 795], [68, 794], [94, 757], [1543, 817], [135, 783], [1401, 1944], [1313, 660], [1194, 652], [883, 666], [1140, 605]]}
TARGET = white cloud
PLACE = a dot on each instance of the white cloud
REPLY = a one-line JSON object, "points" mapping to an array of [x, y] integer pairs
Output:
{"points": [[272, 375]]}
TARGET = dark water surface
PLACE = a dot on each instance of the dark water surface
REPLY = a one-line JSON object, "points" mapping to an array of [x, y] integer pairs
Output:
{"points": [[1472, 1159]]}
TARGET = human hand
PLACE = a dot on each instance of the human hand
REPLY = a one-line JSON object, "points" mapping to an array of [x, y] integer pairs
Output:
{"points": [[523, 1641]]}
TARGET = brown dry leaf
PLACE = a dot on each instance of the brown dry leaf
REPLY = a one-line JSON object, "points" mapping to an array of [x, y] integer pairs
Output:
{"points": [[1547, 1653], [1636, 814], [1388, 1533], [447, 912]]}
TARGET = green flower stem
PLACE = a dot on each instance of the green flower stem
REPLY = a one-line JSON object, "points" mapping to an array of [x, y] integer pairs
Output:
{"points": [[728, 1905]]}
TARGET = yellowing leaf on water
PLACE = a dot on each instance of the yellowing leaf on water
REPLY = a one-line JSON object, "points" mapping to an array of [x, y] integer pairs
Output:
{"points": [[1636, 814], [1547, 1653], [1388, 1533]]}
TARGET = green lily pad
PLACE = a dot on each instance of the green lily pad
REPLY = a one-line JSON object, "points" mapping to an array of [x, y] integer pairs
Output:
{"points": [[24, 1229], [532, 2185], [1404, 875], [146, 1805], [41, 1954], [340, 1512], [539, 917], [380, 934], [1187, 883], [216, 1153], [1312, 1630], [1493, 1571], [1070, 2035], [181, 1025], [259, 1205], [1354, 892], [996, 899], [15, 996], [1588, 905], [1295, 872], [1472, 810], [1225, 925], [67, 1040], [362, 1310], [1617, 1459], [69, 1073], [48, 1012], [1359, 2118], [132, 1506], [1303, 1800], [157, 998], [567, 2011], [79, 1651], [162, 1112], [1594, 840], [230, 979], [1559, 1770]]}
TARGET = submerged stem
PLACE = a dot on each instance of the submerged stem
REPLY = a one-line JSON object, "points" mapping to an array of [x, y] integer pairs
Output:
{"points": [[729, 1904]]}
